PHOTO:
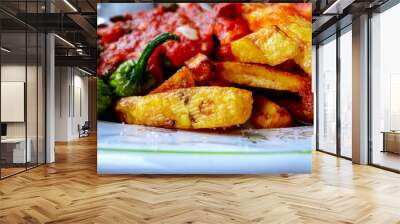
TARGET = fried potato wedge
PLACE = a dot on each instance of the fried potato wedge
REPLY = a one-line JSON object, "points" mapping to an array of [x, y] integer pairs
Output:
{"points": [[260, 76], [297, 27], [292, 19], [260, 15], [190, 108], [303, 9], [304, 59], [202, 68], [267, 114], [287, 17], [183, 78], [267, 46], [301, 109], [245, 50]]}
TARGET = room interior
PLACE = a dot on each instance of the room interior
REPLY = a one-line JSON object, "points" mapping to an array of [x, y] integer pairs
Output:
{"points": [[32, 94], [334, 67], [22, 102]]}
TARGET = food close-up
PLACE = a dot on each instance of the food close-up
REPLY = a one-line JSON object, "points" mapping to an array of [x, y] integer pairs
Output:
{"points": [[207, 66], [204, 88]]}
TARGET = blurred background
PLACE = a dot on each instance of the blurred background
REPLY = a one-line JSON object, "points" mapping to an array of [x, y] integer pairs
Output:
{"points": [[107, 10]]}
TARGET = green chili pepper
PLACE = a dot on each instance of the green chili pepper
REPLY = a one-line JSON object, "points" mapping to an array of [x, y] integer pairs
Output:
{"points": [[104, 96], [131, 78], [100, 50]]}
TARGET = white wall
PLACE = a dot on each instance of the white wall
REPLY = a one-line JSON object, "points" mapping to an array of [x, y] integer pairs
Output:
{"points": [[80, 110], [12, 73], [62, 80], [71, 102], [33, 127]]}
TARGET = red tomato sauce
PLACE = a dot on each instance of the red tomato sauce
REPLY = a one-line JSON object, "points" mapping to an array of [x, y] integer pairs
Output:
{"points": [[126, 38]]}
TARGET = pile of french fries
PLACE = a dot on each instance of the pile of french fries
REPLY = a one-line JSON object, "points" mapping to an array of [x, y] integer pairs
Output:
{"points": [[252, 88]]}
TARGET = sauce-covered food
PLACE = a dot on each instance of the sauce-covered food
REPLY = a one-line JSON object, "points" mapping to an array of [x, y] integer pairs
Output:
{"points": [[187, 64]]}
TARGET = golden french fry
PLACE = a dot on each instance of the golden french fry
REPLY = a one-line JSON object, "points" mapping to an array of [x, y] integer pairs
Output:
{"points": [[260, 76], [267, 114], [260, 15], [190, 108], [286, 17], [304, 59], [297, 27], [268, 45], [291, 19], [183, 78]]}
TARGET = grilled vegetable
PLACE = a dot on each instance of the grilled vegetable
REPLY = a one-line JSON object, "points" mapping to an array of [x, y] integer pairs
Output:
{"points": [[261, 77], [190, 108], [104, 97], [268, 46], [132, 78], [267, 114]]}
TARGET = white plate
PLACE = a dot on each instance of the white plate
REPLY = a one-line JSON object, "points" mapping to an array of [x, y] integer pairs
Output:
{"points": [[136, 149]]}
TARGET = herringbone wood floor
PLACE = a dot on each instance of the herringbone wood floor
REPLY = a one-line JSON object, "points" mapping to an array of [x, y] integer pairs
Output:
{"points": [[70, 191]]}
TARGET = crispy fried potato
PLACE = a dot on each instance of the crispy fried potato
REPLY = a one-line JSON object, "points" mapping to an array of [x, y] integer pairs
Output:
{"points": [[267, 114], [245, 50], [288, 66], [304, 59], [301, 109], [260, 76], [183, 78], [303, 9], [298, 28], [287, 17], [250, 7], [190, 108], [267, 46], [202, 68], [291, 19], [298, 109], [260, 15]]}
